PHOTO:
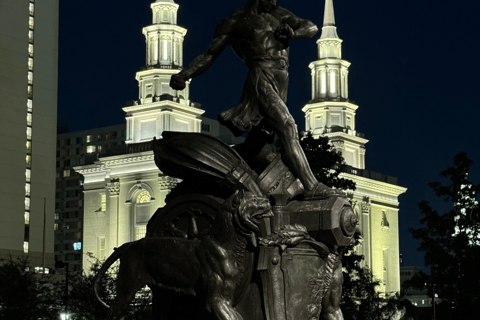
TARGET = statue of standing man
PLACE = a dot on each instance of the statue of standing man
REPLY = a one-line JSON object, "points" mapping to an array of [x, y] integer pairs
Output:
{"points": [[259, 33]]}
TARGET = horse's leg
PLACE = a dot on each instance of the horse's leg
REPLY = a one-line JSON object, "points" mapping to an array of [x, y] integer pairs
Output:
{"points": [[220, 294], [128, 284]]}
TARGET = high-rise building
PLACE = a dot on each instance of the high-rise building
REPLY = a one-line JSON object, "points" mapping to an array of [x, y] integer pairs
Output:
{"points": [[74, 149], [330, 113], [28, 104]]}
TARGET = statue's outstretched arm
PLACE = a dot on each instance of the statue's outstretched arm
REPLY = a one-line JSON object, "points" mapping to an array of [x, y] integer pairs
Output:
{"points": [[201, 63]]}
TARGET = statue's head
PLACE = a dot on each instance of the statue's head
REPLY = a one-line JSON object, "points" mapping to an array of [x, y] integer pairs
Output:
{"points": [[267, 5]]}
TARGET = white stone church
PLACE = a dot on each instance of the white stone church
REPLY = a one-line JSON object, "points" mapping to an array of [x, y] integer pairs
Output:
{"points": [[122, 192]]}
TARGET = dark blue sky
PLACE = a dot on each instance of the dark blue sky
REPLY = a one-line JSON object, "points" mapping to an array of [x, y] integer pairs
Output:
{"points": [[414, 75]]}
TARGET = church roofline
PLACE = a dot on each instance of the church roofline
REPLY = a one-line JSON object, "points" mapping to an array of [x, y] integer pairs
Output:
{"points": [[324, 104]]}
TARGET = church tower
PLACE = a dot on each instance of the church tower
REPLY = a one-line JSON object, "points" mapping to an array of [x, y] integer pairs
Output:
{"points": [[159, 107], [375, 201], [329, 112]]}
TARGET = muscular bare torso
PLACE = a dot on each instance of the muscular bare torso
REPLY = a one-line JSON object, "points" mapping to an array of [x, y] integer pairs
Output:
{"points": [[253, 37]]}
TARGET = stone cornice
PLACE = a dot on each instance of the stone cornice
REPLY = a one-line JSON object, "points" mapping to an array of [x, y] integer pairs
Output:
{"points": [[329, 104], [104, 164], [164, 28], [345, 136], [166, 104], [374, 185], [329, 61]]}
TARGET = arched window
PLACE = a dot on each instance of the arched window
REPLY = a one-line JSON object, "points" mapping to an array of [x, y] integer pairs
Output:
{"points": [[141, 214], [143, 197]]}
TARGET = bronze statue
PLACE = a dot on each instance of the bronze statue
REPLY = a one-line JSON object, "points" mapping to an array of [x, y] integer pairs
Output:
{"points": [[259, 33], [251, 237], [209, 267]]}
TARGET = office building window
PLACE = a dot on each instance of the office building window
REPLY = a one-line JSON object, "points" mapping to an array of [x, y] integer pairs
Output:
{"points": [[29, 161], [27, 203]]}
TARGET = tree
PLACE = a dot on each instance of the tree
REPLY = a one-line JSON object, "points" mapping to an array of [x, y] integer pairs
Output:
{"points": [[325, 162], [83, 304], [451, 242], [24, 294], [360, 298]]}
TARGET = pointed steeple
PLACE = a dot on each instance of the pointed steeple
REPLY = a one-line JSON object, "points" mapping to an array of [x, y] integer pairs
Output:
{"points": [[329, 17], [329, 30], [330, 112]]}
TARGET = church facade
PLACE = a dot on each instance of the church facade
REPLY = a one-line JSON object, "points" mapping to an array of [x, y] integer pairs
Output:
{"points": [[122, 192], [330, 113]]}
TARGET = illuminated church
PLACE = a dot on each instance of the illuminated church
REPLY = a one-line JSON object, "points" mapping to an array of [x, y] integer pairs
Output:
{"points": [[122, 192], [375, 200]]}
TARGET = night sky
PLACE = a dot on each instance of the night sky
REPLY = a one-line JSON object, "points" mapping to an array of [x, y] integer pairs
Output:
{"points": [[414, 74]]}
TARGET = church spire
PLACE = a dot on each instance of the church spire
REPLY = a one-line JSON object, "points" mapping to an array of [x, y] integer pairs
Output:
{"points": [[329, 44], [329, 17], [330, 112], [159, 107]]}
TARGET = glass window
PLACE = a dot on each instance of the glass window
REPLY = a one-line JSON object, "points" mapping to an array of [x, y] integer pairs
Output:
{"points": [[30, 50], [55, 226], [27, 189], [27, 203], [29, 147], [333, 83], [27, 217], [29, 119], [205, 127], [30, 36], [29, 133], [28, 173], [143, 197], [30, 91], [25, 246], [31, 22], [140, 231], [28, 161], [30, 64], [32, 9], [103, 202], [324, 82], [165, 50], [30, 77], [91, 149], [29, 105]]}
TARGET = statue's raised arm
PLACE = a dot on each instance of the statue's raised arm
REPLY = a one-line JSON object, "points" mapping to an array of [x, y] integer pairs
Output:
{"points": [[201, 63], [293, 27]]}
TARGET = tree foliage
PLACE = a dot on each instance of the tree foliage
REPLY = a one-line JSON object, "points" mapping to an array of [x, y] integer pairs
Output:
{"points": [[82, 303], [325, 162], [24, 294], [450, 241]]}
